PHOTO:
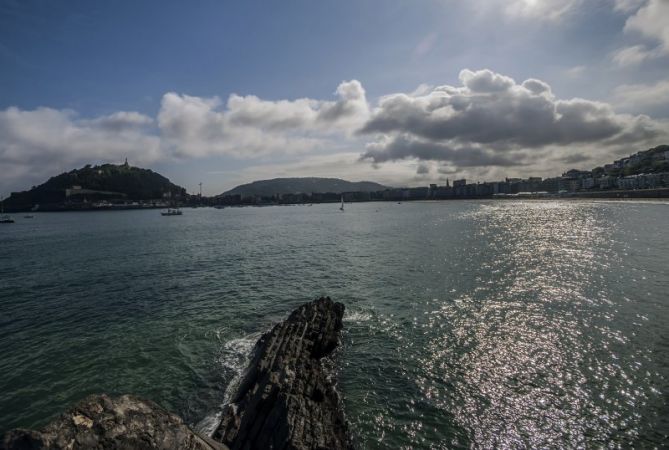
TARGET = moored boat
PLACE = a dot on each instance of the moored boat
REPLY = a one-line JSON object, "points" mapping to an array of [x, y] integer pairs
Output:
{"points": [[172, 212]]}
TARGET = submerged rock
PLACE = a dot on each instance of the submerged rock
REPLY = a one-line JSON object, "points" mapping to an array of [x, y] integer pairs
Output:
{"points": [[102, 422], [286, 399]]}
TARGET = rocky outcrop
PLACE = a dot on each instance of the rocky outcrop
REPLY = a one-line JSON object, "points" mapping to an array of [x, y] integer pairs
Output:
{"points": [[101, 422], [286, 399]]}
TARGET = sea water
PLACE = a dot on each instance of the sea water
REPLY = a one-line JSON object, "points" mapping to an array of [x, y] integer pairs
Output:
{"points": [[468, 324]]}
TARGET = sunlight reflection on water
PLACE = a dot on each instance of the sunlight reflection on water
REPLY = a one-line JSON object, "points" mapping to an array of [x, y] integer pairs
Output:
{"points": [[468, 324], [532, 355]]}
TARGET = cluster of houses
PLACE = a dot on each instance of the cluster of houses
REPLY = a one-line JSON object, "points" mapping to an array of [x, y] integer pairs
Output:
{"points": [[622, 174], [625, 174]]}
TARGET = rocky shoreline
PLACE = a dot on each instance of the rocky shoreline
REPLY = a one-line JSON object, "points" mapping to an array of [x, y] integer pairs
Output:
{"points": [[285, 400]]}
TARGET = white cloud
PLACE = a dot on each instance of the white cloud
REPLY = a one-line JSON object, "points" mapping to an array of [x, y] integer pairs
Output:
{"points": [[535, 10], [575, 72], [541, 9], [250, 127], [634, 55], [486, 126], [635, 97], [36, 144], [493, 121], [650, 22], [627, 5], [40, 142], [120, 121]]}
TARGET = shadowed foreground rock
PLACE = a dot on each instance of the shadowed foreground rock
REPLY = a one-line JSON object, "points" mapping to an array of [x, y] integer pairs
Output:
{"points": [[101, 422], [286, 400]]}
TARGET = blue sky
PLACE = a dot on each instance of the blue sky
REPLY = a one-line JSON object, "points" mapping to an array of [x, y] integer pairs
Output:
{"points": [[226, 92]]}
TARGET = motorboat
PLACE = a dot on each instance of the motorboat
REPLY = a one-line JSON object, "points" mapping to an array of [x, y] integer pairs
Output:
{"points": [[172, 212]]}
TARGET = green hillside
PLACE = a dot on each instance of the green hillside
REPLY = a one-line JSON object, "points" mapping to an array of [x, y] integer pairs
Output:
{"points": [[130, 183], [276, 186]]}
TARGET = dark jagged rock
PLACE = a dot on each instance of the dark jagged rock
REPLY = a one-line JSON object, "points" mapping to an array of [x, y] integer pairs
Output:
{"points": [[101, 422], [286, 399]]}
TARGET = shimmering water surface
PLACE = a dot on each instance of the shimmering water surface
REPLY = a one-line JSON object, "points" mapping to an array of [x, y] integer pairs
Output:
{"points": [[469, 324]]}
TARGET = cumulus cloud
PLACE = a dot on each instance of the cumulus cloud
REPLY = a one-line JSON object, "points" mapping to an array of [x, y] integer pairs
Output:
{"points": [[402, 147], [248, 126], [487, 125], [40, 142], [36, 143], [650, 22], [644, 97], [491, 120], [120, 121]]}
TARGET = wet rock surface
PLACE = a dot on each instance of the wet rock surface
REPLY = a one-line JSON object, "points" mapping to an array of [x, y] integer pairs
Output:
{"points": [[102, 422], [286, 399]]}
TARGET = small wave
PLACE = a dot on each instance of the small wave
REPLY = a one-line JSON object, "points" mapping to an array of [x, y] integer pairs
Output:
{"points": [[357, 316], [208, 425], [636, 201], [234, 357]]}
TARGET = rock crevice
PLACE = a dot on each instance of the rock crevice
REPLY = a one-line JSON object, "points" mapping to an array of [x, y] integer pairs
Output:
{"points": [[286, 400]]}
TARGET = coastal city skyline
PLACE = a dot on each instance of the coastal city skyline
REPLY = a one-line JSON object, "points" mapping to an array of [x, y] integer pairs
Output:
{"points": [[644, 174], [540, 88]]}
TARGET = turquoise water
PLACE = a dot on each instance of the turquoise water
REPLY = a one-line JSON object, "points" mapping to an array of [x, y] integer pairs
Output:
{"points": [[468, 324]]}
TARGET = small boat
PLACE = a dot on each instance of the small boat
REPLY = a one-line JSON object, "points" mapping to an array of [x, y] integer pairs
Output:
{"points": [[341, 208], [28, 216], [172, 212]]}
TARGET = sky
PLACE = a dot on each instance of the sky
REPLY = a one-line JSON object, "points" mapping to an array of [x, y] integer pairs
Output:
{"points": [[402, 92]]}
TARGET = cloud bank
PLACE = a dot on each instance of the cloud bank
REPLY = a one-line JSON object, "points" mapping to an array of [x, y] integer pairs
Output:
{"points": [[485, 126], [491, 120]]}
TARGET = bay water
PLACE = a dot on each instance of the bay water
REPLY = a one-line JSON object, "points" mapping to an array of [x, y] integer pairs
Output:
{"points": [[468, 323]]}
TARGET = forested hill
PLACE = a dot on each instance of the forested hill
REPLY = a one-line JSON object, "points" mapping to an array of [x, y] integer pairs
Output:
{"points": [[133, 183], [276, 186]]}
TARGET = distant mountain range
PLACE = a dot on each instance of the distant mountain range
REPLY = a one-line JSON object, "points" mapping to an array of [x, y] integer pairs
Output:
{"points": [[268, 188], [108, 181]]}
